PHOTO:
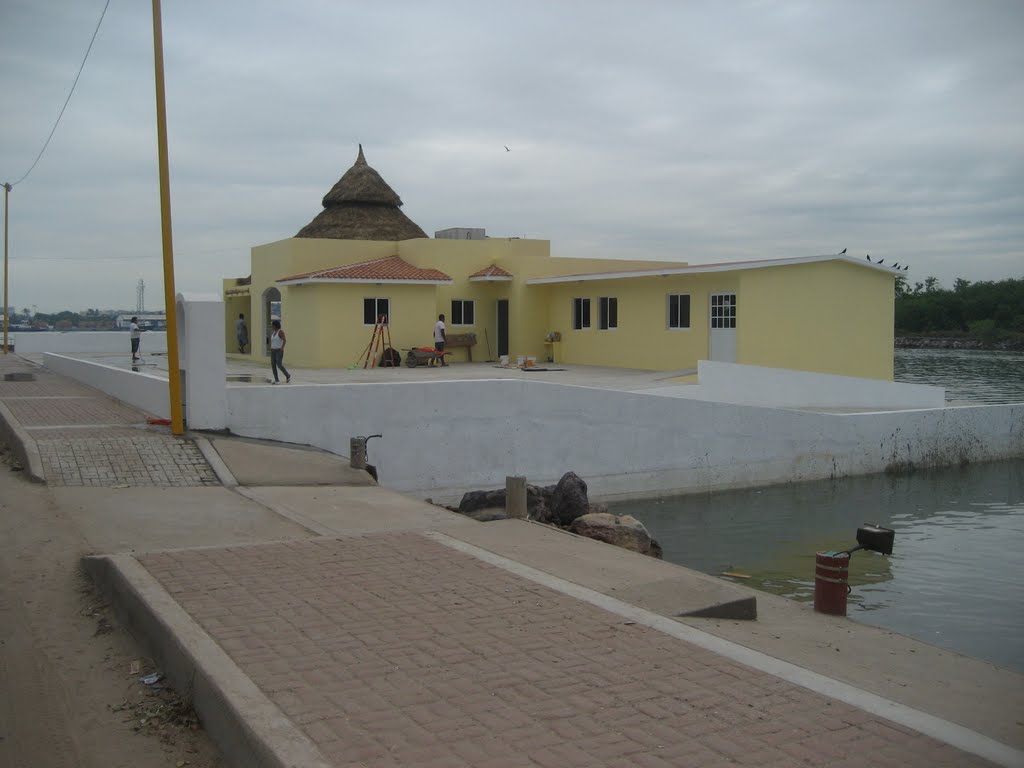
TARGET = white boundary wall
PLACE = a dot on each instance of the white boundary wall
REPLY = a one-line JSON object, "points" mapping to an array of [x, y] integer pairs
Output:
{"points": [[88, 342], [139, 390], [442, 438], [782, 388]]}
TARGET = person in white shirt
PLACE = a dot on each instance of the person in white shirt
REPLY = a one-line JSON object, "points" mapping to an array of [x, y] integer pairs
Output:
{"points": [[277, 342], [440, 337], [136, 334]]}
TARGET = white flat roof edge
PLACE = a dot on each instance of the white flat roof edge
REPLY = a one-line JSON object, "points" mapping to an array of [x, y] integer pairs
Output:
{"points": [[698, 268]]}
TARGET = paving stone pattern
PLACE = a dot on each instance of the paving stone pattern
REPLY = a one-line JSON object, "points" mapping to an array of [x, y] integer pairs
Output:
{"points": [[158, 460], [394, 650], [87, 438]]}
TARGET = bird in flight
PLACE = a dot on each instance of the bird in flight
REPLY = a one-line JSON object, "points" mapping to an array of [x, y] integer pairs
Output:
{"points": [[506, 148], [842, 252]]}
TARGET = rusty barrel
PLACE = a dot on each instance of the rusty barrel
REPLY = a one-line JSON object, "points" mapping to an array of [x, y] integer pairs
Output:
{"points": [[831, 576]]}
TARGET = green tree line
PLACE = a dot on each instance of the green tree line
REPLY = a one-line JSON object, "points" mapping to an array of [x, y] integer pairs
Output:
{"points": [[986, 310]]}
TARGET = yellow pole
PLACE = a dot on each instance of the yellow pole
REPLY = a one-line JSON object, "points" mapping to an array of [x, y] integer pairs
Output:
{"points": [[7, 221], [173, 377]]}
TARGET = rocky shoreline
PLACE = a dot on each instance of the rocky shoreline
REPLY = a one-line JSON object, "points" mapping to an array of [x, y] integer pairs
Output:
{"points": [[565, 505], [956, 342]]}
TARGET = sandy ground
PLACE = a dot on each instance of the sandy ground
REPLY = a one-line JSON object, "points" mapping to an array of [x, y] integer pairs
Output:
{"points": [[69, 696]]}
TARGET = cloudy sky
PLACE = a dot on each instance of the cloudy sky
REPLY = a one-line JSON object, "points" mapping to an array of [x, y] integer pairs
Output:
{"points": [[696, 131]]}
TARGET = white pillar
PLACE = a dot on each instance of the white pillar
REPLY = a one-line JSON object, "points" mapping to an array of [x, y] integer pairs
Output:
{"points": [[201, 359]]}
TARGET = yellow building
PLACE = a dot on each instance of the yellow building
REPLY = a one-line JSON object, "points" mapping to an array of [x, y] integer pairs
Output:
{"points": [[362, 258]]}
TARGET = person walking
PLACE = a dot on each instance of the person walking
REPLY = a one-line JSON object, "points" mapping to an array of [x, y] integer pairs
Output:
{"points": [[242, 333], [277, 342], [136, 336], [440, 336]]}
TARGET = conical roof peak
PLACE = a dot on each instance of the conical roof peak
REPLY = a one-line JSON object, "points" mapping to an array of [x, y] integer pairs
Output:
{"points": [[361, 206]]}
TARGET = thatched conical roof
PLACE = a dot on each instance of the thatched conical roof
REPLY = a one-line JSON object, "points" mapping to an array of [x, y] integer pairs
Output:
{"points": [[361, 206]]}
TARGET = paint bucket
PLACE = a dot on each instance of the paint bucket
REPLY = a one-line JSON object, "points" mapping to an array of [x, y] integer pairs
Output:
{"points": [[503, 361], [520, 361], [531, 361]]}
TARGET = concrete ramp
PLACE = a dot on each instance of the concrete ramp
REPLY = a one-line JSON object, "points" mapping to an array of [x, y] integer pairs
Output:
{"points": [[664, 588]]}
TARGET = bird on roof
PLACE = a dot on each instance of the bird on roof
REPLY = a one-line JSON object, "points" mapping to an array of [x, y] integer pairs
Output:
{"points": [[880, 261], [906, 268], [506, 148], [868, 257], [842, 252], [896, 265]]}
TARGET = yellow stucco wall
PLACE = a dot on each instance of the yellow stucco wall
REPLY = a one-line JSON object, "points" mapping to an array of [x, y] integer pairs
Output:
{"points": [[829, 317], [324, 322], [643, 338]]}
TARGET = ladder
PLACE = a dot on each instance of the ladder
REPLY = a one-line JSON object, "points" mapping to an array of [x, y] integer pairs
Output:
{"points": [[380, 340]]}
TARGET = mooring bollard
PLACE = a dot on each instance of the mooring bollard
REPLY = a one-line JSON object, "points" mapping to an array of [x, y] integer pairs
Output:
{"points": [[831, 582], [357, 452], [515, 496]]}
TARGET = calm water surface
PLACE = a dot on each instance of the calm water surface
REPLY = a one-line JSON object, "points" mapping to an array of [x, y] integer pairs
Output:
{"points": [[969, 375], [956, 576]]}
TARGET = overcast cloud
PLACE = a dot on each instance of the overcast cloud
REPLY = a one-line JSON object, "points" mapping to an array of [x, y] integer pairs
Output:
{"points": [[697, 131]]}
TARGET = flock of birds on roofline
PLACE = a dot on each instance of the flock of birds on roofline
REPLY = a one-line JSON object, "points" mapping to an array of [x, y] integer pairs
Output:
{"points": [[895, 266]]}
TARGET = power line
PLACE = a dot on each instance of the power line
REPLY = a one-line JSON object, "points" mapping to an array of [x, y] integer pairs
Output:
{"points": [[68, 99]]}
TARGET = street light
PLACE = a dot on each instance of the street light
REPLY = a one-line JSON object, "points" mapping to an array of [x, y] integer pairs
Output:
{"points": [[7, 194]]}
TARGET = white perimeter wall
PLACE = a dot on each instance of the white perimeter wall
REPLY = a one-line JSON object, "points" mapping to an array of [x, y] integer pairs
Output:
{"points": [[782, 388], [442, 438], [88, 342], [140, 390]]}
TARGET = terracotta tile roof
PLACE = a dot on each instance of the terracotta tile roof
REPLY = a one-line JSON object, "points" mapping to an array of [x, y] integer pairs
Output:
{"points": [[378, 270], [492, 271]]}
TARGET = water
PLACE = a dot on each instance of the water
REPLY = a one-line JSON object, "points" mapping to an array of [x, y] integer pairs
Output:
{"points": [[956, 575], [969, 375]]}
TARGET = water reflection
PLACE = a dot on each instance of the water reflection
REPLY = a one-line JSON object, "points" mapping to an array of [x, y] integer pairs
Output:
{"points": [[973, 375], [956, 576]]}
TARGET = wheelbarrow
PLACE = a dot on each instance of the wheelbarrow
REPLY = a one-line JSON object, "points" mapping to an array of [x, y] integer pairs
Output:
{"points": [[423, 356]]}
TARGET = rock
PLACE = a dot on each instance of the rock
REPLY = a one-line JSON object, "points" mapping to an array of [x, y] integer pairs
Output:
{"points": [[537, 506], [655, 549], [622, 531], [487, 514], [569, 499], [475, 500]]}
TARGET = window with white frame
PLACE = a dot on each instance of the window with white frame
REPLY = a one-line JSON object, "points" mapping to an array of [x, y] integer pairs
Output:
{"points": [[723, 310], [678, 310], [374, 309], [580, 314], [462, 312], [608, 312]]}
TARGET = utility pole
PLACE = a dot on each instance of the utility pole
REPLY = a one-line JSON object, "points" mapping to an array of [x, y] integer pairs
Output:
{"points": [[140, 296], [173, 374], [7, 222]]}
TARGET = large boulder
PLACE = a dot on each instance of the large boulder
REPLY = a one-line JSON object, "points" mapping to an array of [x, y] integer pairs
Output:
{"points": [[569, 499], [621, 530]]}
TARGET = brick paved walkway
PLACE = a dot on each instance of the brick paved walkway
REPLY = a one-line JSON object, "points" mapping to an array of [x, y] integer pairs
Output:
{"points": [[394, 650], [87, 438]]}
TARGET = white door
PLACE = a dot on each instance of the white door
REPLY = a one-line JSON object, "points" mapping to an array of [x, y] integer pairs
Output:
{"points": [[723, 327]]}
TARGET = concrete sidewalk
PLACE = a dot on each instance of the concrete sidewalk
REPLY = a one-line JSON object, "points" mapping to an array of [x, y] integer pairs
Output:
{"points": [[351, 626]]}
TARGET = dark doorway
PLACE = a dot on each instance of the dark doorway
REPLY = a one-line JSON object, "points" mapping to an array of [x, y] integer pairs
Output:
{"points": [[502, 327]]}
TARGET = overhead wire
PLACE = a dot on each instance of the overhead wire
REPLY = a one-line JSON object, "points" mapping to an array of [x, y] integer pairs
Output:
{"points": [[68, 99]]}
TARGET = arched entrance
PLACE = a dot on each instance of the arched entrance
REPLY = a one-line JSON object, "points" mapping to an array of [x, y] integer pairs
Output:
{"points": [[271, 311]]}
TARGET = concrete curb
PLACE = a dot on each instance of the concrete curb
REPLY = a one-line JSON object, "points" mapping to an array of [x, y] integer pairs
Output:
{"points": [[249, 729], [23, 446], [227, 479]]}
